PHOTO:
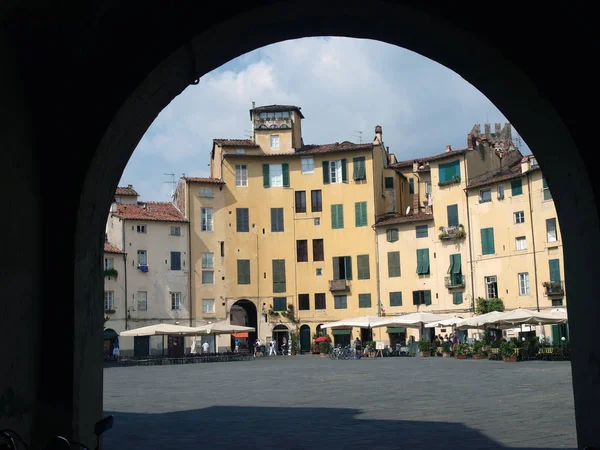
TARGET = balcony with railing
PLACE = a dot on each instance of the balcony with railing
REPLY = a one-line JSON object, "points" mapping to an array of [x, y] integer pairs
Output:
{"points": [[554, 288], [339, 285], [456, 232], [456, 280]]}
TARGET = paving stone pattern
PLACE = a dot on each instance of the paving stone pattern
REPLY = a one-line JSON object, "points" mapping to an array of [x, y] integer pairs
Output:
{"points": [[302, 402]]}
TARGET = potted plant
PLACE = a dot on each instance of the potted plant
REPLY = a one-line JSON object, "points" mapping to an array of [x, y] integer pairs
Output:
{"points": [[424, 348], [324, 348], [295, 342], [460, 351], [446, 353], [478, 352], [111, 273], [507, 350]]}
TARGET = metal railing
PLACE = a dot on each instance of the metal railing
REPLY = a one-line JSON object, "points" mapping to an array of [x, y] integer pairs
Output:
{"points": [[454, 281], [339, 285], [554, 288]]}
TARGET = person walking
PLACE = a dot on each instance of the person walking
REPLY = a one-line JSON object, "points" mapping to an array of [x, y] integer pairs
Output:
{"points": [[237, 345], [256, 347], [357, 346], [205, 347], [284, 345], [273, 349]]}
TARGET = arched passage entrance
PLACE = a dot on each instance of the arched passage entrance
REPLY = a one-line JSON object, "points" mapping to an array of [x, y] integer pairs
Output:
{"points": [[244, 312], [111, 338], [305, 339], [279, 333]]}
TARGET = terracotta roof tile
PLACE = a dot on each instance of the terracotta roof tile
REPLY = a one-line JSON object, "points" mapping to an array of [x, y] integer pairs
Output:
{"points": [[155, 211], [276, 108], [204, 180], [126, 191], [418, 217], [235, 143], [445, 155], [512, 173], [109, 248], [336, 147]]}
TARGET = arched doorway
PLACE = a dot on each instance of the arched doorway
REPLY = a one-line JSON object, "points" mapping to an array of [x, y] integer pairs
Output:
{"points": [[111, 339], [244, 312], [305, 338], [319, 330], [279, 332]]}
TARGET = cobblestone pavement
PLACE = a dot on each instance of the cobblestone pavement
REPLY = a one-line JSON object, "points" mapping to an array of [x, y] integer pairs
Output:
{"points": [[301, 402]]}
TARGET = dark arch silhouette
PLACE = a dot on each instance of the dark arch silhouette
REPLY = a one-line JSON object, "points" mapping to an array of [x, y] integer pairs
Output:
{"points": [[248, 317]]}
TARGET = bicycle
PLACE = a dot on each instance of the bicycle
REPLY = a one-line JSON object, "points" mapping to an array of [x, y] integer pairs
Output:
{"points": [[10, 440]]}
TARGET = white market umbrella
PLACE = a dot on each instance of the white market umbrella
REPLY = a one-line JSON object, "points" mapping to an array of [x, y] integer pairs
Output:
{"points": [[359, 322], [414, 320], [450, 322], [160, 329], [521, 316], [479, 322]]}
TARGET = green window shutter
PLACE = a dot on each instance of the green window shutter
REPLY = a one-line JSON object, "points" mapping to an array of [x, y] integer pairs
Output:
{"points": [[516, 187], [340, 302], [457, 298], [423, 261], [362, 262], [441, 174], [364, 300], [348, 267], [344, 171], [487, 241], [416, 298], [457, 264], [266, 176], [456, 169], [336, 268], [554, 265], [411, 185], [285, 169], [419, 261], [452, 215], [364, 214], [422, 231], [393, 264], [427, 297], [395, 298], [544, 184], [389, 182], [451, 264], [360, 172], [360, 214], [325, 172], [340, 216], [426, 261], [392, 235], [279, 275], [279, 304], [555, 334], [243, 268]]}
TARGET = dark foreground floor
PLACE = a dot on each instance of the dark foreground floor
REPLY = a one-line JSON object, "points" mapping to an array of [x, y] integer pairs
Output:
{"points": [[302, 402]]}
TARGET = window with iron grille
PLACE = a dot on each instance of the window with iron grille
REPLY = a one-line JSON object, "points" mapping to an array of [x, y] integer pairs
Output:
{"points": [[276, 220], [364, 300], [422, 231], [300, 201], [316, 201], [302, 250], [142, 300], [303, 302], [320, 301], [395, 298], [242, 220], [340, 301], [318, 253]]}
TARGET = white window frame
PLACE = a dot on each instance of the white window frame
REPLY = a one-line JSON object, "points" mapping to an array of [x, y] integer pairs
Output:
{"points": [[141, 228], [208, 305], [335, 172], [550, 236], [241, 175], [142, 300], [274, 139], [206, 220], [175, 301], [519, 217], [109, 300], [524, 288], [307, 165], [212, 276], [175, 231], [142, 258], [109, 263], [207, 192], [481, 199], [208, 260], [489, 283], [276, 175], [523, 240]]}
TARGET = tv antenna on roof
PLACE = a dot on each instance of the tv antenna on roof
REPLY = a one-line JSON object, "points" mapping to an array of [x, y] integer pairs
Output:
{"points": [[172, 182], [359, 136]]}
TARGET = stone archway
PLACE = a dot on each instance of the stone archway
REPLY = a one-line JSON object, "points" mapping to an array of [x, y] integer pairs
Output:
{"points": [[244, 312], [305, 338]]}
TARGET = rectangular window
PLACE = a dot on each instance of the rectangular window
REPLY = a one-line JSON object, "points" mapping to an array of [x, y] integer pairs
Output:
{"points": [[242, 220], [547, 194], [243, 271], [428, 188], [109, 300], [452, 211], [320, 301], [279, 303], [551, 230], [411, 185], [109, 263], [455, 270], [364, 300], [491, 287], [175, 231], [318, 253], [391, 235], [360, 214], [360, 171], [208, 305], [175, 260], [141, 228], [423, 261], [207, 192], [142, 258], [307, 165], [520, 217], [342, 268], [421, 231], [279, 275], [206, 219], [395, 298], [487, 241], [300, 202], [142, 300], [337, 216], [449, 171], [516, 187], [521, 243], [523, 284], [457, 298], [393, 264], [340, 301], [485, 195], [500, 191], [319, 272], [317, 221], [389, 182], [208, 260], [554, 267], [303, 302], [240, 151], [316, 203], [363, 269], [302, 250], [421, 297], [276, 175], [208, 277], [241, 175], [175, 301], [274, 141], [222, 243], [276, 220]]}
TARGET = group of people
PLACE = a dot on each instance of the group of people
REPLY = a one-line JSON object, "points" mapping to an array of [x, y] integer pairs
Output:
{"points": [[272, 347], [451, 339]]}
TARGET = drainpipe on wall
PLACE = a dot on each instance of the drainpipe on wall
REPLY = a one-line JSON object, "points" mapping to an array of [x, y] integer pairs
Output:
{"points": [[190, 260], [125, 275], [377, 272], [470, 236], [537, 298]]}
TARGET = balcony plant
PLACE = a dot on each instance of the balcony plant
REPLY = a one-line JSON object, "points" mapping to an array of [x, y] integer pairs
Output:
{"points": [[424, 348], [446, 352], [460, 351], [111, 273], [478, 352], [454, 180], [507, 349]]}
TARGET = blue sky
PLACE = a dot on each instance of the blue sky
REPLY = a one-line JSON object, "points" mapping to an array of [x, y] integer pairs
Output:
{"points": [[344, 86]]}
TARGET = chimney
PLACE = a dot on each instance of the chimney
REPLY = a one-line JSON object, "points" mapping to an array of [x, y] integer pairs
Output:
{"points": [[130, 186], [487, 130], [497, 128], [253, 105], [448, 148], [378, 139], [415, 205], [470, 142]]}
